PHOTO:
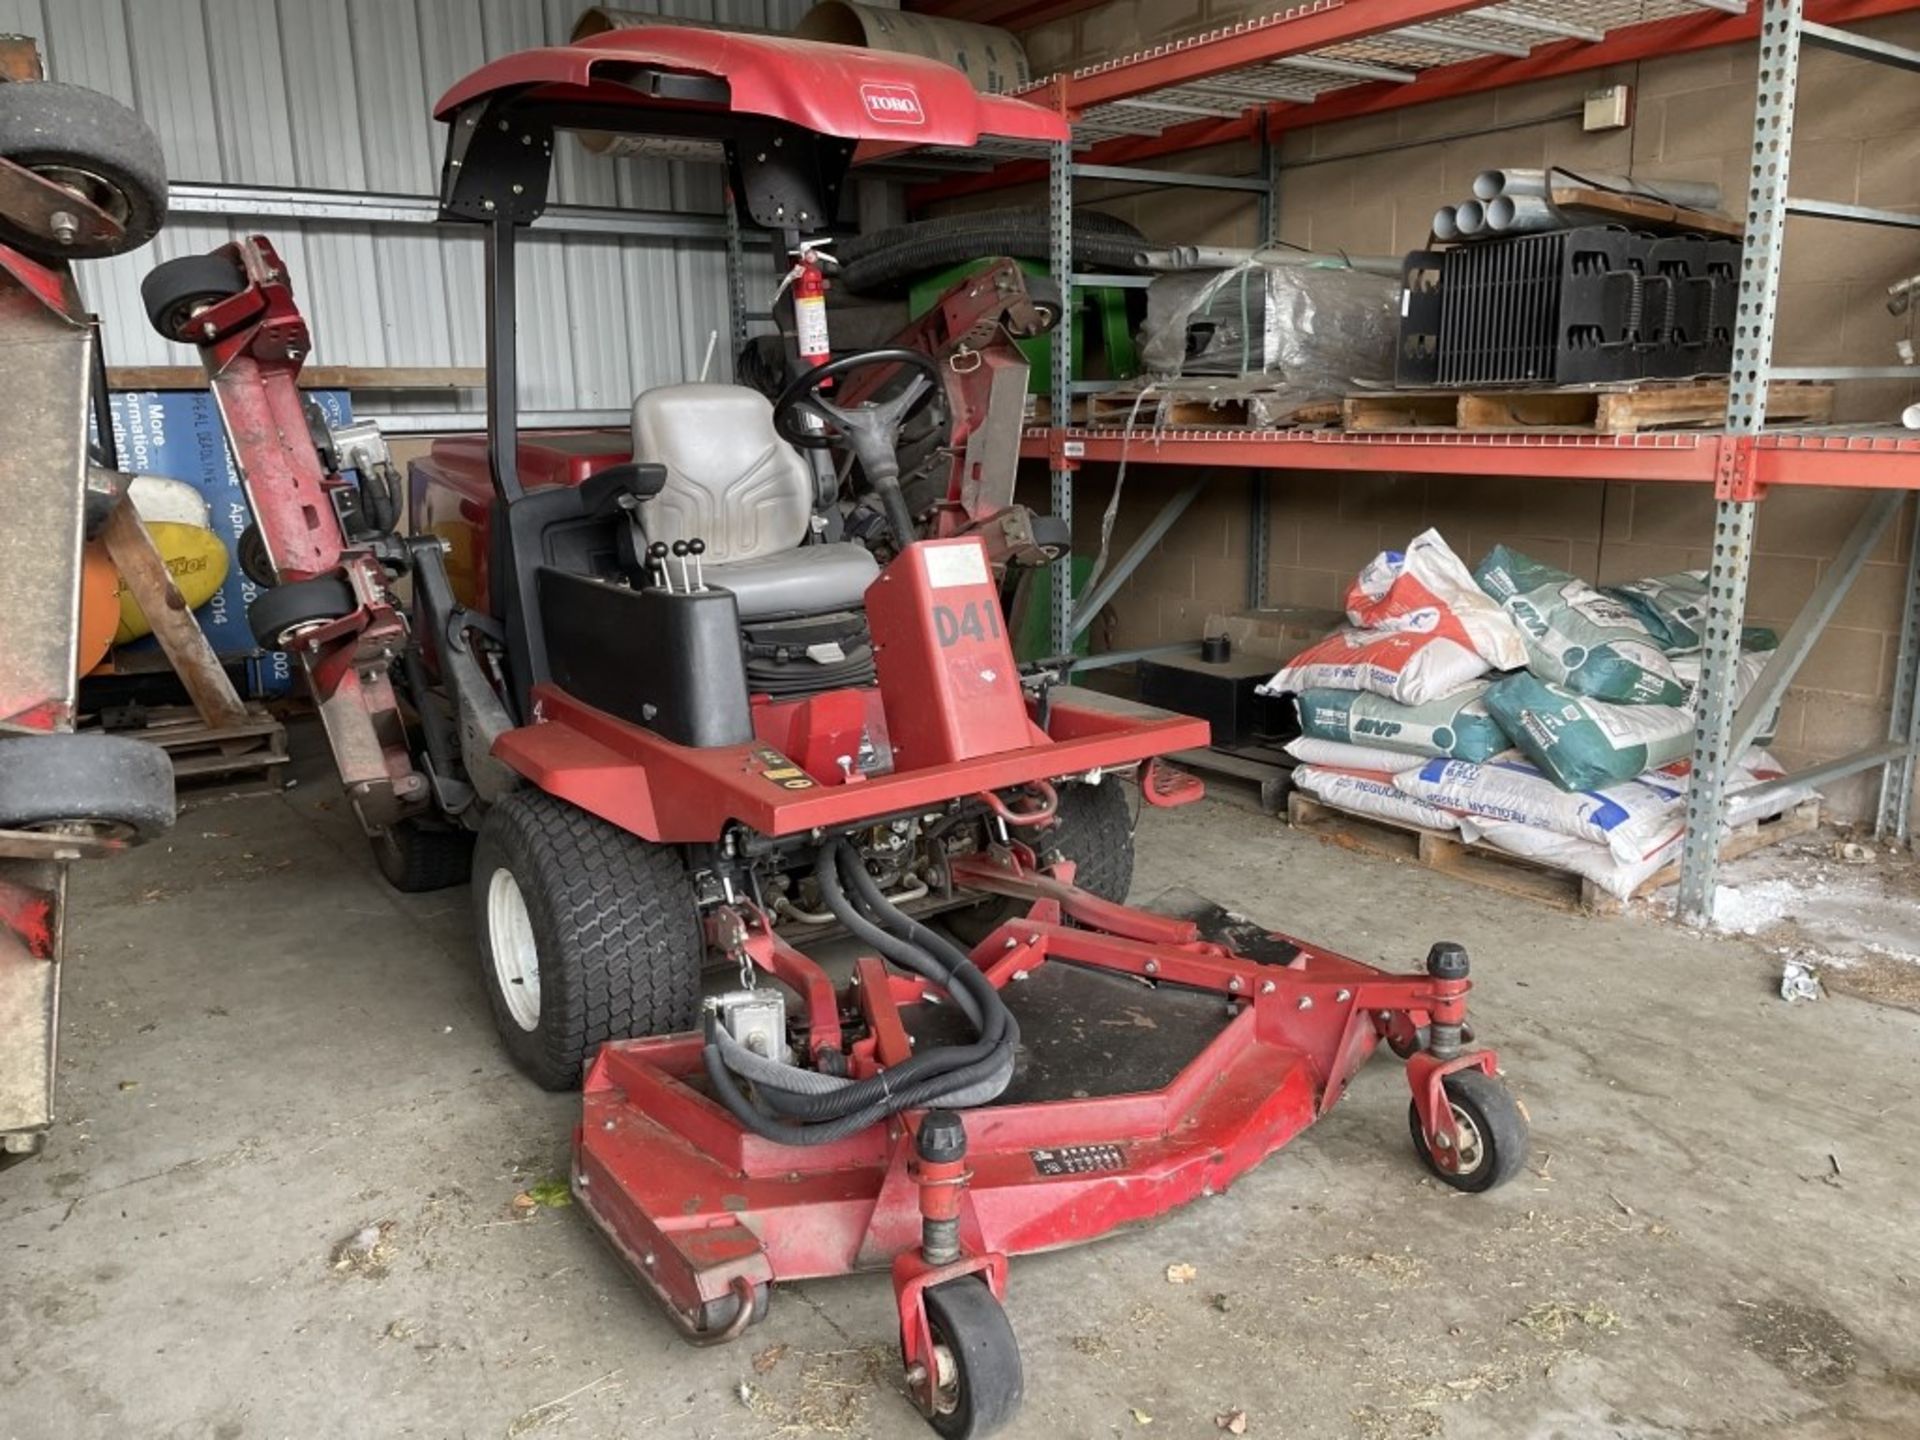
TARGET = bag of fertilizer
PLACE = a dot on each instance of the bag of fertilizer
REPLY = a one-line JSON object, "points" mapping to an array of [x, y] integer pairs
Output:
{"points": [[1370, 795], [1341, 756], [1627, 818], [1456, 724], [1584, 743], [1576, 636], [1429, 590], [1397, 664], [1672, 607], [1620, 874]]}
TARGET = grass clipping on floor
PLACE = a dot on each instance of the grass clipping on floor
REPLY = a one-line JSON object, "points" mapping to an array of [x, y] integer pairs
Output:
{"points": [[830, 1392]]}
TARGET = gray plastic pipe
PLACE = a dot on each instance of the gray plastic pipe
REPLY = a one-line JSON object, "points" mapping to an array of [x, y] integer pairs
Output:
{"points": [[1522, 215], [1445, 226], [1174, 258], [1694, 194], [1470, 217]]}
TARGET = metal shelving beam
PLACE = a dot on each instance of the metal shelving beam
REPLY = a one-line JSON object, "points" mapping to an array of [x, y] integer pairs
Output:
{"points": [[1859, 47], [1733, 524], [1903, 725], [1177, 178], [1060, 393], [1857, 214]]}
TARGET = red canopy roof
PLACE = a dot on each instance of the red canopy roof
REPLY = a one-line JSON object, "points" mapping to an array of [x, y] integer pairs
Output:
{"points": [[836, 90]]}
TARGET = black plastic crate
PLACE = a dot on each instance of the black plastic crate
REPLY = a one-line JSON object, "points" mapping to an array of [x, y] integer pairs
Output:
{"points": [[1567, 307]]}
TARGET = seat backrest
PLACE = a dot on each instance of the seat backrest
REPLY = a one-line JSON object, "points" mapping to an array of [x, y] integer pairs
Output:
{"points": [[731, 480]]}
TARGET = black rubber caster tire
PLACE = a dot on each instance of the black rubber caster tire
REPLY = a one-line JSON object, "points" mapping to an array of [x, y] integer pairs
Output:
{"points": [[603, 924], [276, 614], [1496, 1132], [1094, 829], [69, 133], [255, 563], [174, 290], [987, 1378], [110, 784], [416, 856]]}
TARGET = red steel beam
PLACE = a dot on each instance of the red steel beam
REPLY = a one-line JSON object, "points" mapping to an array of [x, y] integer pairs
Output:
{"points": [[1680, 458], [1446, 82], [1876, 461]]}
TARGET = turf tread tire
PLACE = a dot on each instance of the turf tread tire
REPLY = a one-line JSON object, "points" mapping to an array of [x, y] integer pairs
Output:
{"points": [[416, 858], [615, 923]]}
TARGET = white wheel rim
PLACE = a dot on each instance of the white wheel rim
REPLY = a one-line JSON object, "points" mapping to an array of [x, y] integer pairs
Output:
{"points": [[1469, 1149], [516, 960]]}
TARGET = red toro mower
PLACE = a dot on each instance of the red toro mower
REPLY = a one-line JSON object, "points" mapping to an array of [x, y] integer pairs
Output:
{"points": [[699, 700]]}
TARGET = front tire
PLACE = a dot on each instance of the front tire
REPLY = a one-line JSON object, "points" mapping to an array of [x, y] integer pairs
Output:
{"points": [[587, 934]]}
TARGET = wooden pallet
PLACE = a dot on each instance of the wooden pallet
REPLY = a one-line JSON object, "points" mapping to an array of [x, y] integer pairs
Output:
{"points": [[1600, 410], [1495, 869], [1198, 408], [255, 748]]}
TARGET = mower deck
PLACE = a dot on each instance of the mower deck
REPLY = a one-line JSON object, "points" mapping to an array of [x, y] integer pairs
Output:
{"points": [[1158, 1065]]}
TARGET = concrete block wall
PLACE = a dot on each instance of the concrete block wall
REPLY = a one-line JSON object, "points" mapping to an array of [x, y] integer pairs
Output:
{"points": [[1693, 116]]}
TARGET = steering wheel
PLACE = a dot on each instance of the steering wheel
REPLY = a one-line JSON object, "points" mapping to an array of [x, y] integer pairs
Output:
{"points": [[871, 429]]}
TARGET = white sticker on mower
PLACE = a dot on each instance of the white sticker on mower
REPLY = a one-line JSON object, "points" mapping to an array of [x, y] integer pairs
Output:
{"points": [[951, 565]]}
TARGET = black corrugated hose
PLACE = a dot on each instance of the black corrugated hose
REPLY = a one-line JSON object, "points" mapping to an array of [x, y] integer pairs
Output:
{"points": [[806, 1107]]}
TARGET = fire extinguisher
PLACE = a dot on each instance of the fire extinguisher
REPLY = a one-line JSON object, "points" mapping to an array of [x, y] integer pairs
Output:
{"points": [[808, 278]]}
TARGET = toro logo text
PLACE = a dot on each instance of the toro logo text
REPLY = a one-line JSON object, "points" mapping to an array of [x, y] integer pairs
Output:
{"points": [[893, 104]]}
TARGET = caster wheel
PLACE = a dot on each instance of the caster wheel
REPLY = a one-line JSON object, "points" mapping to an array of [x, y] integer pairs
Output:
{"points": [[177, 290], [108, 786], [278, 615], [95, 148], [1493, 1132], [979, 1383], [255, 563]]}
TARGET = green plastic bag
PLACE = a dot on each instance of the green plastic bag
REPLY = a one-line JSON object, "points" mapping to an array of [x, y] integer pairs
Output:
{"points": [[1584, 743], [1456, 725], [1577, 637], [1672, 607]]}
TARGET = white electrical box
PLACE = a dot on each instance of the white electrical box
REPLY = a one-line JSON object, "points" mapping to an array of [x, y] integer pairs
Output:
{"points": [[1608, 109]]}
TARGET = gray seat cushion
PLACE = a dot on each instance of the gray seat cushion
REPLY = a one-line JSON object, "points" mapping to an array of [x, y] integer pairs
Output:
{"points": [[811, 580]]}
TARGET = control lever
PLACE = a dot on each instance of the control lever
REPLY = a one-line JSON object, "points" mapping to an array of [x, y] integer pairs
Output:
{"points": [[696, 548], [657, 562], [680, 554]]}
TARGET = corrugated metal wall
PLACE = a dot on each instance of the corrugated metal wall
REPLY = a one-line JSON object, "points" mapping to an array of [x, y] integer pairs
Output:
{"points": [[336, 95]]}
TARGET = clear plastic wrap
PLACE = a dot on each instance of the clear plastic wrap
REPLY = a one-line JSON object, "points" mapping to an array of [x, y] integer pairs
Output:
{"points": [[1318, 328]]}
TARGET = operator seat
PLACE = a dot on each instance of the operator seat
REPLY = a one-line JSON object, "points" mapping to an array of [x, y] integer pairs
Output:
{"points": [[733, 483]]}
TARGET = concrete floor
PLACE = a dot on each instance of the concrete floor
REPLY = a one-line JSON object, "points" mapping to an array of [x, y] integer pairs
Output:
{"points": [[267, 1051]]}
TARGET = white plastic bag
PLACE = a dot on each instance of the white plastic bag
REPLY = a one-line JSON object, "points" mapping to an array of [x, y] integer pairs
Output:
{"points": [[1626, 818], [1402, 665], [1340, 755], [1429, 590], [1370, 794]]}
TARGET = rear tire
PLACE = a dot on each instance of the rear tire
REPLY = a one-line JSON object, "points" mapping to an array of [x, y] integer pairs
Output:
{"points": [[416, 857], [586, 932], [1094, 829]]}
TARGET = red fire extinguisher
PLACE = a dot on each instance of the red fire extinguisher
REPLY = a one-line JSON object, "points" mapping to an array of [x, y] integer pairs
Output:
{"points": [[809, 281]]}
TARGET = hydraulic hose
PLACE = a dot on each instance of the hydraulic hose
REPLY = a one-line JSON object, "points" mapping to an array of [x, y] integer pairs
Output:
{"points": [[806, 1107]]}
